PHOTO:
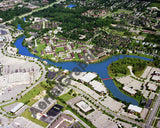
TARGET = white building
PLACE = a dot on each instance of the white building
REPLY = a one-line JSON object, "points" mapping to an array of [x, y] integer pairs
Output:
{"points": [[134, 108], [97, 86], [88, 77], [83, 106], [152, 87], [17, 107], [156, 78], [129, 90]]}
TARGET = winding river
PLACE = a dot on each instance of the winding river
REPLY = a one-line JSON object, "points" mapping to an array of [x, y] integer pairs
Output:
{"points": [[100, 68]]}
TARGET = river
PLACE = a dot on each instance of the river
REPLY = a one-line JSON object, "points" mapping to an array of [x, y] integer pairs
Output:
{"points": [[100, 68]]}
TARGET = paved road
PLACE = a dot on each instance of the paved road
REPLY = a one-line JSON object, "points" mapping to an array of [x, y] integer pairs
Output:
{"points": [[153, 113]]}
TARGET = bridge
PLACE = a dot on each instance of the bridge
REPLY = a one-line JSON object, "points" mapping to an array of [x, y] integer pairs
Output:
{"points": [[107, 79]]}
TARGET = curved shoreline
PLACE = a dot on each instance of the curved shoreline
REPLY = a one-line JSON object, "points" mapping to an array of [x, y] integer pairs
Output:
{"points": [[99, 68]]}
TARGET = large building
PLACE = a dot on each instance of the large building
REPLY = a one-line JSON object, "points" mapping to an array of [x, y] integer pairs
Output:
{"points": [[97, 86], [129, 90], [83, 106], [134, 109], [88, 77]]}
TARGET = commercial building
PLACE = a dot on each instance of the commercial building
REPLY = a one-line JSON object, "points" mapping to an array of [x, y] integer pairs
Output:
{"points": [[156, 77], [64, 121], [134, 109], [88, 77], [83, 106], [17, 107], [129, 90], [152, 87], [97, 86]]}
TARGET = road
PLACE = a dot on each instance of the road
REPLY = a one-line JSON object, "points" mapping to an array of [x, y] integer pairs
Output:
{"points": [[153, 113], [35, 10]]}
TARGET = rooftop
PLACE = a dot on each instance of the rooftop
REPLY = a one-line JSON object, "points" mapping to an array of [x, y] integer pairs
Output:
{"points": [[98, 86], [83, 106], [134, 108], [88, 77]]}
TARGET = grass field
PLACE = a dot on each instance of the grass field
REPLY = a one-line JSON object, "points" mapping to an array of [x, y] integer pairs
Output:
{"points": [[27, 114], [66, 97], [31, 94], [155, 5]]}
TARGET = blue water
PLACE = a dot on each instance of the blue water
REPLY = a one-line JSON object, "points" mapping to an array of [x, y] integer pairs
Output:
{"points": [[71, 6], [19, 27], [100, 68], [24, 19]]}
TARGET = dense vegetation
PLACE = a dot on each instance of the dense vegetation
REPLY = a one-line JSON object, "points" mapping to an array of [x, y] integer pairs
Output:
{"points": [[73, 23], [120, 66], [11, 13]]}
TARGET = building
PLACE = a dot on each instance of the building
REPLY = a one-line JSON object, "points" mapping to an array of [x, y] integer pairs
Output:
{"points": [[156, 78], [17, 107], [129, 90], [97, 86], [83, 106], [134, 109], [152, 87], [88, 77], [64, 121]]}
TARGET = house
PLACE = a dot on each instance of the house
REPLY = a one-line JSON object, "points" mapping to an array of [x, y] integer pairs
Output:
{"points": [[152, 87]]}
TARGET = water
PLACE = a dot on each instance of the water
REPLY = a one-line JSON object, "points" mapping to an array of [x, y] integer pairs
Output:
{"points": [[100, 68], [19, 27]]}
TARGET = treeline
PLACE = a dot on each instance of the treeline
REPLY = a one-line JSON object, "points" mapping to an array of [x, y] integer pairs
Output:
{"points": [[120, 66], [11, 13], [153, 38]]}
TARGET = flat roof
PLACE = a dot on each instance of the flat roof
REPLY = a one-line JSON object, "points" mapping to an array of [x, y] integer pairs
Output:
{"points": [[97, 86], [88, 77], [134, 108], [129, 90], [152, 86], [156, 77], [83, 106], [18, 106]]}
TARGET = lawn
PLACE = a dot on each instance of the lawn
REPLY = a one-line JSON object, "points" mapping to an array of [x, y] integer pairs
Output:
{"points": [[31, 94], [122, 10], [66, 97], [27, 114], [155, 5]]}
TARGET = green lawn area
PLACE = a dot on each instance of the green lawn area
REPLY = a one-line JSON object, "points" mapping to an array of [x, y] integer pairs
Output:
{"points": [[66, 97], [122, 10], [27, 98], [27, 114], [158, 112], [113, 75], [59, 49], [155, 5]]}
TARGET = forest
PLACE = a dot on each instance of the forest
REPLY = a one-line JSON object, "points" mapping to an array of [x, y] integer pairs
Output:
{"points": [[120, 66]]}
